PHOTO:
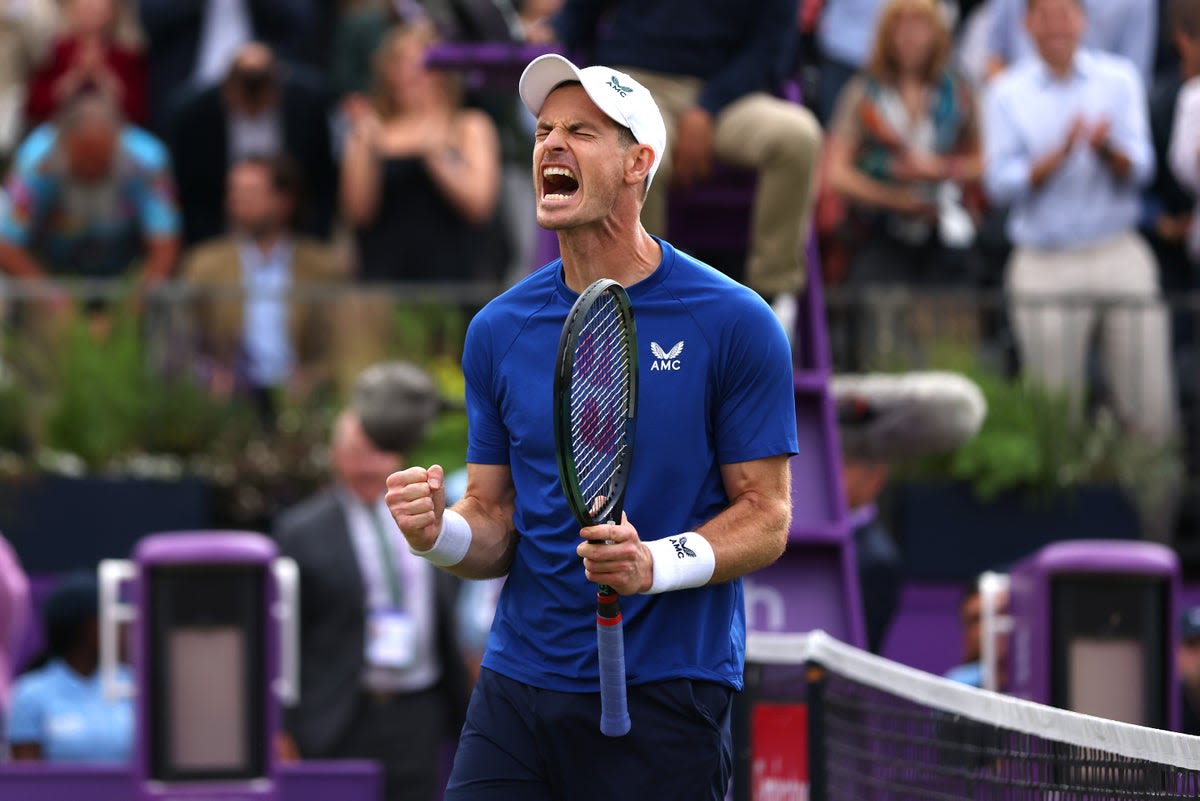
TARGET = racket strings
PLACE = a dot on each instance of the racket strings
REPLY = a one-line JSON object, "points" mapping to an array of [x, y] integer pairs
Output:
{"points": [[600, 398]]}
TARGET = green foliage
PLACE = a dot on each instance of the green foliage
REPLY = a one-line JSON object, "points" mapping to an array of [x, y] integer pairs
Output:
{"points": [[427, 331], [446, 443], [180, 418], [431, 335], [15, 416], [89, 391], [1032, 441], [89, 398], [100, 381]]}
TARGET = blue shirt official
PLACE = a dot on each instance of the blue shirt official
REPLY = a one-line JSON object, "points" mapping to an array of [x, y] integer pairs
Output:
{"points": [[69, 716], [1028, 112]]}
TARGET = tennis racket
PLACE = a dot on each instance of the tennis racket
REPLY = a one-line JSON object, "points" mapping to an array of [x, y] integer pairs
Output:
{"points": [[595, 399]]}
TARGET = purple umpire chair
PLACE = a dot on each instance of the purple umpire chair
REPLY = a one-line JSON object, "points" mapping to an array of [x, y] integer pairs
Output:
{"points": [[1093, 629]]}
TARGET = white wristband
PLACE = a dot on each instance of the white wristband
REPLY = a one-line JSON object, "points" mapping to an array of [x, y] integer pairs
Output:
{"points": [[452, 543], [680, 562]]}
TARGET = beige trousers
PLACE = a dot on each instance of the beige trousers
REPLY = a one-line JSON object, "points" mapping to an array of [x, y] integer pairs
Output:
{"points": [[1055, 315], [778, 139]]}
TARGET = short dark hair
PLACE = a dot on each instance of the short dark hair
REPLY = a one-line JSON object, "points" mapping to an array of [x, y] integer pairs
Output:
{"points": [[284, 173], [1029, 4], [87, 107], [70, 607], [1183, 16]]}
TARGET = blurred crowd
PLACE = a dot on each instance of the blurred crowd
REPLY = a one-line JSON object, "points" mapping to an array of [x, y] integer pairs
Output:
{"points": [[259, 147], [263, 145]]}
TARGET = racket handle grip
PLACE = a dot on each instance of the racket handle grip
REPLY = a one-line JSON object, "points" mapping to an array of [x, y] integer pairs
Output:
{"points": [[610, 643]]}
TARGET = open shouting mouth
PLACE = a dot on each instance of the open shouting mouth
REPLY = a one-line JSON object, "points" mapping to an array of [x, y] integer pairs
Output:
{"points": [[558, 183]]}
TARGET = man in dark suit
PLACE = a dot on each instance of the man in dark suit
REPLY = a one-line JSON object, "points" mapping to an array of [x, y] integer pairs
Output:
{"points": [[381, 674], [261, 109], [187, 40]]}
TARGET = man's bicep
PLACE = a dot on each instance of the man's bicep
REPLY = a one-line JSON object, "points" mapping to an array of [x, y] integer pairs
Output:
{"points": [[490, 487]]}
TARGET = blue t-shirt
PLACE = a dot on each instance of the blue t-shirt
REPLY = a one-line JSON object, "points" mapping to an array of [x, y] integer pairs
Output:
{"points": [[715, 388], [969, 673], [69, 717], [95, 231]]}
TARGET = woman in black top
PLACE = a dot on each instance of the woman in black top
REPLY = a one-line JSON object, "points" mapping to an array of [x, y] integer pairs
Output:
{"points": [[420, 173]]}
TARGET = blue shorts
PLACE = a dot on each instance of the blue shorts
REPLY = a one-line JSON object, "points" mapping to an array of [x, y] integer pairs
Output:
{"points": [[525, 744]]}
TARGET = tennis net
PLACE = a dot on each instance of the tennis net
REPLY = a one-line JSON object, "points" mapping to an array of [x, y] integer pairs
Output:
{"points": [[880, 730]]}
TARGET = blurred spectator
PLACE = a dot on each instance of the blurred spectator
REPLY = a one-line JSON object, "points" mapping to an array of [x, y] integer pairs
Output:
{"points": [[1166, 57], [1126, 28], [420, 174], [845, 32], [880, 568], [89, 196], [1068, 147], [1187, 664], [59, 710], [970, 614], [261, 327], [192, 43], [361, 26], [87, 56], [261, 109], [381, 675], [904, 147], [716, 71], [1183, 152], [883, 420], [983, 612], [420, 179], [535, 20], [1167, 215], [971, 44], [26, 27], [14, 615]]}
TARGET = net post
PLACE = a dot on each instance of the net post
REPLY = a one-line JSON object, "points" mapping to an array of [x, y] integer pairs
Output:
{"points": [[818, 787]]}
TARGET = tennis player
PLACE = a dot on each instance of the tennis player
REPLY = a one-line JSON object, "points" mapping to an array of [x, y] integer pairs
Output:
{"points": [[708, 498]]}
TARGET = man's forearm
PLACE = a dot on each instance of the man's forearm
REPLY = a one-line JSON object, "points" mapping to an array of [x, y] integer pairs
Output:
{"points": [[493, 540], [749, 535], [16, 261], [1116, 161], [1044, 168], [160, 259], [752, 531]]}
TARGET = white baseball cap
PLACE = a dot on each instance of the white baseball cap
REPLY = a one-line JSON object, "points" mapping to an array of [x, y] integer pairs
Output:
{"points": [[619, 96]]}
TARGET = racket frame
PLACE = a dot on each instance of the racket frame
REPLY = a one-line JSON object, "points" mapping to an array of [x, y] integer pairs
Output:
{"points": [[567, 473], [610, 638]]}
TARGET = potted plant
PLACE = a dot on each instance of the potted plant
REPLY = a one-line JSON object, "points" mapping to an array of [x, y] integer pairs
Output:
{"points": [[1035, 473]]}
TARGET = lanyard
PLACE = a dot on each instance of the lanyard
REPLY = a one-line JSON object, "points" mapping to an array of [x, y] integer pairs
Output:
{"points": [[387, 556]]}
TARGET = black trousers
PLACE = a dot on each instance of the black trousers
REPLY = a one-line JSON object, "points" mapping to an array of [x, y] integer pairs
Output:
{"points": [[521, 743], [404, 733]]}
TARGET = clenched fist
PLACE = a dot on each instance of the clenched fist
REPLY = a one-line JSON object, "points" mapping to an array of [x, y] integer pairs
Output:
{"points": [[416, 497]]}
